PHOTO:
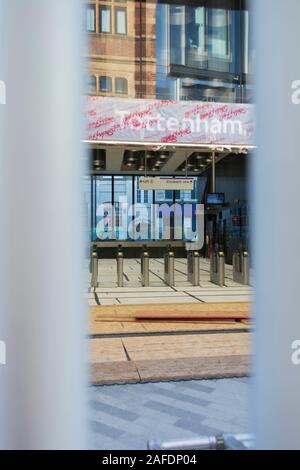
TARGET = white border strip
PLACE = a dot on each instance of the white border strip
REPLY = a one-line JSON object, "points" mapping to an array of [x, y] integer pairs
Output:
{"points": [[164, 145]]}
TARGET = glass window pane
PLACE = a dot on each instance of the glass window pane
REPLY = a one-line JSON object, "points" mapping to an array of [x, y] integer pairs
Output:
{"points": [[90, 19], [186, 196], [121, 85], [122, 197], [143, 212], [121, 21], [163, 220], [248, 55], [87, 207], [219, 33], [102, 208], [196, 32], [177, 27], [188, 200], [105, 19], [105, 84], [91, 84]]}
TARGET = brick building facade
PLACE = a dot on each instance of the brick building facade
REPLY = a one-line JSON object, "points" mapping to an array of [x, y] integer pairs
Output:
{"points": [[121, 56]]}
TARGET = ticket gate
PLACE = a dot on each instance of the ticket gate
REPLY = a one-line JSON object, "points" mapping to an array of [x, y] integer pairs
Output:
{"points": [[193, 267], [145, 267], [169, 266], [217, 268], [241, 268], [120, 265], [94, 268]]}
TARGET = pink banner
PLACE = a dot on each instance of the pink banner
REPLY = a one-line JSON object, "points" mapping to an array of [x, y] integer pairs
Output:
{"points": [[162, 121]]}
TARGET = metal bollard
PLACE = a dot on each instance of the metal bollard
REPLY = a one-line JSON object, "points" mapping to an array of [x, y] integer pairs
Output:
{"points": [[193, 267], [241, 268], [246, 268], [169, 264], [145, 267], [94, 269], [217, 268], [190, 265], [120, 263]]}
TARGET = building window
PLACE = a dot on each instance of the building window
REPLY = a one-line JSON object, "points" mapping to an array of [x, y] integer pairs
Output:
{"points": [[105, 84], [91, 84], [90, 17], [120, 20], [105, 19], [121, 85], [219, 45], [169, 194]]}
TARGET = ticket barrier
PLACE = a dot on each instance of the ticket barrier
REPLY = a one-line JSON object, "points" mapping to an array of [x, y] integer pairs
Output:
{"points": [[217, 268], [193, 267], [241, 268], [120, 266], [169, 267], [94, 268], [145, 267]]}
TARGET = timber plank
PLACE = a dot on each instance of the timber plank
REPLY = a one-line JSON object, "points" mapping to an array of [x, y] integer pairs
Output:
{"points": [[131, 312], [105, 327]]}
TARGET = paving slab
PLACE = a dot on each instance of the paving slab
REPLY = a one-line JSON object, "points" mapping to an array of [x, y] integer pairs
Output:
{"points": [[173, 425]]}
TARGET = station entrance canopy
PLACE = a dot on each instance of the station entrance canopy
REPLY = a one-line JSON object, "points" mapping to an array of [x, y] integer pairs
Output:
{"points": [[164, 123]]}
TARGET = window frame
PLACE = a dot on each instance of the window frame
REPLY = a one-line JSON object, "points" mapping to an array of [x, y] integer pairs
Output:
{"points": [[91, 76], [124, 9], [125, 81], [107, 8], [110, 82], [90, 6]]}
